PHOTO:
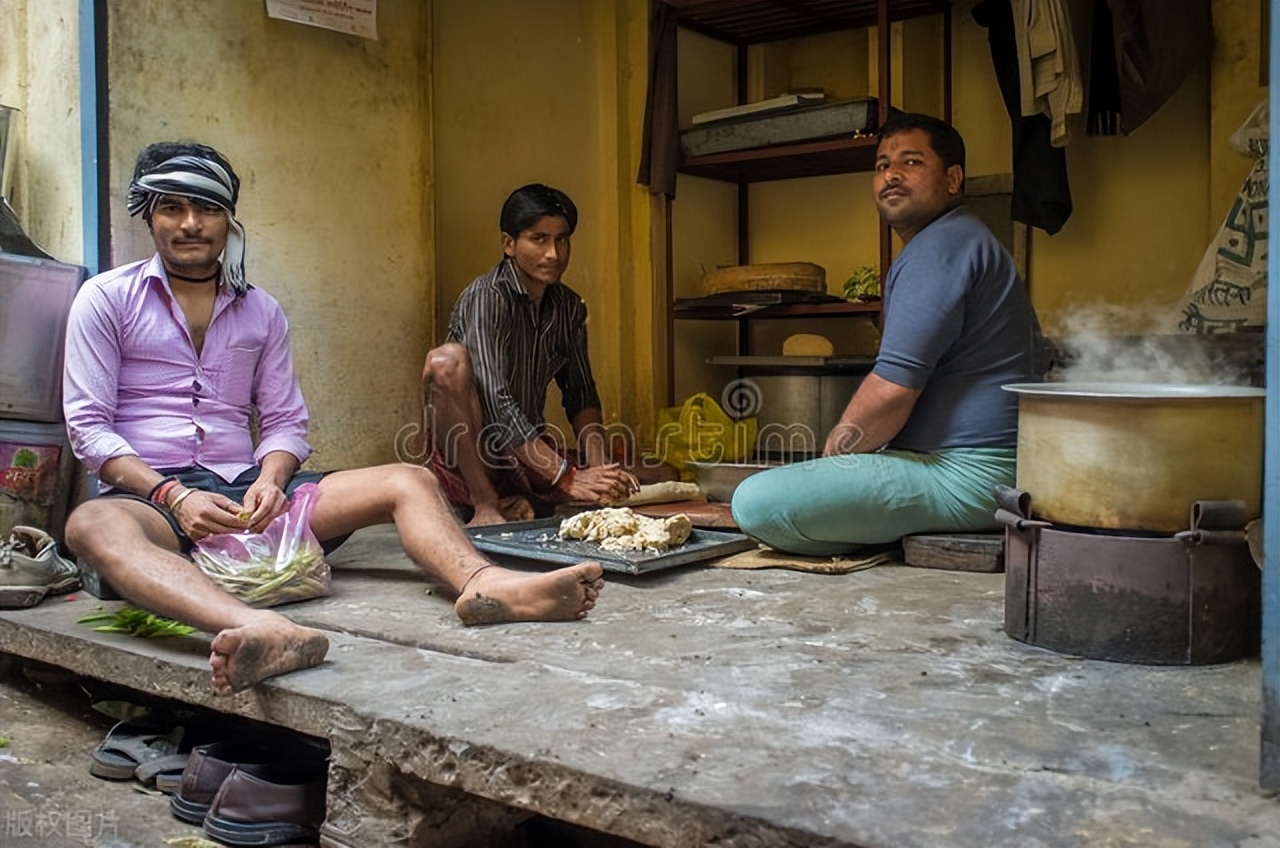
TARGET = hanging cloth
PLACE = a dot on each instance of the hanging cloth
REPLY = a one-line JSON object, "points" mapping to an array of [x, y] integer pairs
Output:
{"points": [[1048, 72], [1153, 45], [1041, 192]]}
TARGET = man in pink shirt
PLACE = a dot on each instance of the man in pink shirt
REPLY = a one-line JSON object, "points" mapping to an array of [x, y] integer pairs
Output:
{"points": [[166, 360]]}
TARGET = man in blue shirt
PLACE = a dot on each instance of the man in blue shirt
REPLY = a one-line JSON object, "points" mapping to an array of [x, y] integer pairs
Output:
{"points": [[929, 433]]}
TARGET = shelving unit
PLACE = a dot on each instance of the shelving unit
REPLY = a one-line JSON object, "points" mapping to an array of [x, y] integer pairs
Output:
{"points": [[743, 23]]}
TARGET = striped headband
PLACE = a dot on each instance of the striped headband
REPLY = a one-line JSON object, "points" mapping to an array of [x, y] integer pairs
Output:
{"points": [[203, 179]]}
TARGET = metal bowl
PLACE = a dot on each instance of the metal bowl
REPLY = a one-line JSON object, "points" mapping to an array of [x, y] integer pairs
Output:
{"points": [[718, 480]]}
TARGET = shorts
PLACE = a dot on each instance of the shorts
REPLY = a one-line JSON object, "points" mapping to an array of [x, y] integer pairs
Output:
{"points": [[195, 477], [513, 481]]}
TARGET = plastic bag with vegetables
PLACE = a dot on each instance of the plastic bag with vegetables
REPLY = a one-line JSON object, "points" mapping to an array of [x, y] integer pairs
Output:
{"points": [[282, 564]]}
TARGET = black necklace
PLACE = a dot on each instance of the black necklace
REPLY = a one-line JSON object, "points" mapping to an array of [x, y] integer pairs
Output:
{"points": [[212, 276]]}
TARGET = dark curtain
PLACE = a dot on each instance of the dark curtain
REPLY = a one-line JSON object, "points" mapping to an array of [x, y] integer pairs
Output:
{"points": [[660, 147]]}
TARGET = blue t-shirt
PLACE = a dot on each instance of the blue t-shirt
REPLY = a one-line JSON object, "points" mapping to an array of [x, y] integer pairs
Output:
{"points": [[958, 324]]}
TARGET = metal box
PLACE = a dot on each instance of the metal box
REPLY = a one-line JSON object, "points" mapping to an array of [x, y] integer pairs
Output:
{"points": [[35, 297], [806, 123], [37, 472]]}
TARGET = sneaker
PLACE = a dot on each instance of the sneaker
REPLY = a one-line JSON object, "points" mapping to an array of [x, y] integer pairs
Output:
{"points": [[31, 567]]}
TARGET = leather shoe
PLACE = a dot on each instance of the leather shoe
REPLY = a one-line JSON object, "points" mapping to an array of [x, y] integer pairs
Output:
{"points": [[207, 768], [269, 804]]}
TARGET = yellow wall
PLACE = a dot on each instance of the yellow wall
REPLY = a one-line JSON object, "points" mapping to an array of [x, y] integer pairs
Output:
{"points": [[551, 92], [331, 137], [39, 75], [346, 159]]}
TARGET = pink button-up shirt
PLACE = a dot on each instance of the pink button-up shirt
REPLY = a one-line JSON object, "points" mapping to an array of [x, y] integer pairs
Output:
{"points": [[134, 384]]}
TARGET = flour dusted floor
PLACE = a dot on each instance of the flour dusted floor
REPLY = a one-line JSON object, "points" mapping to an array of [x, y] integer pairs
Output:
{"points": [[742, 708]]}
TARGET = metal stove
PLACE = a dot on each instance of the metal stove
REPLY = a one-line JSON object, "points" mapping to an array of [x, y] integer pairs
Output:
{"points": [[1189, 598]]}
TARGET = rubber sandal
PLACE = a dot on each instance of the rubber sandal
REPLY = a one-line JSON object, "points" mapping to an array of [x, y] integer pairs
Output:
{"points": [[162, 773], [131, 743]]}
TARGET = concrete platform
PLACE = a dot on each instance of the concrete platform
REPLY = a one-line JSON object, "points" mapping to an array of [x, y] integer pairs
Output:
{"points": [[708, 706]]}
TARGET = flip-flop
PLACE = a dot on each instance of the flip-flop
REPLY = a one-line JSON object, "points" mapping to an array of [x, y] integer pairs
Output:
{"points": [[162, 773], [131, 743]]}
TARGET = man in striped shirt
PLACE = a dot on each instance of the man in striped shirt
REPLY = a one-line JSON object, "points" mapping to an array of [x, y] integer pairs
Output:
{"points": [[513, 331]]}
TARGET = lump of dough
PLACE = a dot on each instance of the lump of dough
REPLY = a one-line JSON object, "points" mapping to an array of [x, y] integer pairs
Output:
{"points": [[807, 344], [620, 529]]}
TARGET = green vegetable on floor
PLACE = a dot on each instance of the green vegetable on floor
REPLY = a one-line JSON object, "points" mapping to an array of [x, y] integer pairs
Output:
{"points": [[136, 622]]}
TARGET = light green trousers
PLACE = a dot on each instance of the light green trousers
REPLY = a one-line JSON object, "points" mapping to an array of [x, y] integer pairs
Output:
{"points": [[831, 506]]}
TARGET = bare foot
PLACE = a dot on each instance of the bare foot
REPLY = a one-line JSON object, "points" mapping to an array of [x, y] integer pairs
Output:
{"points": [[245, 656], [496, 595], [486, 515], [516, 508]]}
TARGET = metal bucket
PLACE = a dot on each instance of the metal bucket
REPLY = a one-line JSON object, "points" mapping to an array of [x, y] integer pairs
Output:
{"points": [[1135, 456], [798, 409]]}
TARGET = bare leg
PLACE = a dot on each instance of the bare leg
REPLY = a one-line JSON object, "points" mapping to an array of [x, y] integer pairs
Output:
{"points": [[136, 551], [455, 419], [410, 497]]}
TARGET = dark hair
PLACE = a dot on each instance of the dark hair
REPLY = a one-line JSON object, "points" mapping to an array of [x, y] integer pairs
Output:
{"points": [[163, 151], [943, 138], [527, 204]]}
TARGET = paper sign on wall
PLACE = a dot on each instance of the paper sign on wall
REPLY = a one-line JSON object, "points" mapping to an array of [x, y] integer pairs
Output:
{"points": [[355, 17]]}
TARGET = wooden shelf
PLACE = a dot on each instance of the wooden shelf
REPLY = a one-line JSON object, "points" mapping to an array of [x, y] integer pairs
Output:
{"points": [[781, 310], [743, 22], [786, 161]]}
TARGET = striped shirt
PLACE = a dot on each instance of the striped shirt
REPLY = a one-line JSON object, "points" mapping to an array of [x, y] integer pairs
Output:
{"points": [[515, 352]]}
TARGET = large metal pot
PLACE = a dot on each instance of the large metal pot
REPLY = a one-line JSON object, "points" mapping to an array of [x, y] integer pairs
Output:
{"points": [[799, 406], [1134, 456]]}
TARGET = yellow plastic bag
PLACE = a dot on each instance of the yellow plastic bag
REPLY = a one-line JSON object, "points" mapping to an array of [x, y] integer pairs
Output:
{"points": [[699, 431]]}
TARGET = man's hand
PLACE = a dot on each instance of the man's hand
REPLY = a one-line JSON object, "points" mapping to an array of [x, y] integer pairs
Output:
{"points": [[602, 484], [263, 501], [843, 439], [202, 513]]}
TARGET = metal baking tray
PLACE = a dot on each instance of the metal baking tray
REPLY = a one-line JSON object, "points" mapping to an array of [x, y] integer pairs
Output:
{"points": [[539, 541]]}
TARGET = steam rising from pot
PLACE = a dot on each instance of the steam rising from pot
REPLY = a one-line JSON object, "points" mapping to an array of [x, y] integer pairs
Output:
{"points": [[1114, 344]]}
